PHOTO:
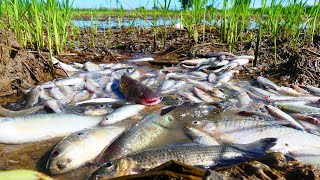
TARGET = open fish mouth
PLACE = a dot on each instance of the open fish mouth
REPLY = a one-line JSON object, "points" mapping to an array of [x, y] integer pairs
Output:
{"points": [[150, 101]]}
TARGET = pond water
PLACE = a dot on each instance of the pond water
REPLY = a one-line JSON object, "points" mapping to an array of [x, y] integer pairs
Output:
{"points": [[126, 22]]}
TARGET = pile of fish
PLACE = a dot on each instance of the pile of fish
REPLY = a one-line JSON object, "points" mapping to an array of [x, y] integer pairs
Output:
{"points": [[90, 107]]}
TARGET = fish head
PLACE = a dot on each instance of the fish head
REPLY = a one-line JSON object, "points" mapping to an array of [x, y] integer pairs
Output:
{"points": [[148, 97], [203, 125], [114, 169], [137, 92], [56, 164]]}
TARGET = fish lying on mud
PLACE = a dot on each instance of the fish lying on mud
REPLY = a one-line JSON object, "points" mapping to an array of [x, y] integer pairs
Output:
{"points": [[31, 128], [9, 113], [135, 91], [140, 136], [81, 147], [195, 155], [291, 141]]}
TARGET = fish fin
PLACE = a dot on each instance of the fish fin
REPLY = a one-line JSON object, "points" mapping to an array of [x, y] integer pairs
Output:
{"points": [[167, 110], [260, 146]]}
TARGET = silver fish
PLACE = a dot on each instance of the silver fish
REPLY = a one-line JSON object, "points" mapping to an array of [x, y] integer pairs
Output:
{"points": [[241, 130], [81, 147], [195, 155], [122, 113], [31, 128], [200, 137], [140, 136], [266, 82]]}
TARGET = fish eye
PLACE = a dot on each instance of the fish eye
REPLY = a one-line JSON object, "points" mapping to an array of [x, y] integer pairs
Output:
{"points": [[80, 133], [106, 118], [109, 165], [55, 153], [140, 93], [195, 122], [170, 119]]}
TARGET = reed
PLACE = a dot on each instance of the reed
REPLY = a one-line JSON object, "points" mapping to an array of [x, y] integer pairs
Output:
{"points": [[30, 20]]}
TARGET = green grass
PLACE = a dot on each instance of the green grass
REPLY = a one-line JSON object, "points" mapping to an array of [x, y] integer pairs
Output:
{"points": [[38, 23]]}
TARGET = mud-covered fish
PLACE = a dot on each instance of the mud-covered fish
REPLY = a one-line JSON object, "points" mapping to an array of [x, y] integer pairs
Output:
{"points": [[140, 136], [195, 155], [81, 147], [31, 128], [135, 91]]}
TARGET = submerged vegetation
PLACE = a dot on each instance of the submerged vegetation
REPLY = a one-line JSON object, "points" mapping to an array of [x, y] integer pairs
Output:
{"points": [[47, 24]]}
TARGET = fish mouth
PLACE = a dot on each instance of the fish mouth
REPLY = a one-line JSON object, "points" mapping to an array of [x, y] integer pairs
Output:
{"points": [[150, 101]]}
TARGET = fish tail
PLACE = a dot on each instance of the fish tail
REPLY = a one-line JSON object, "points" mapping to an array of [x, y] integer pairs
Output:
{"points": [[260, 146]]}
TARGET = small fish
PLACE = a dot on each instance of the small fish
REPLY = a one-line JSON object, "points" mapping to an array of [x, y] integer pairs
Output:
{"points": [[190, 97], [312, 99], [9, 113], [98, 101], [122, 113], [64, 66], [260, 92], [56, 93], [194, 155], [299, 89], [54, 105], [277, 113], [202, 95], [37, 127], [69, 81], [146, 59], [144, 134], [298, 108], [33, 96], [313, 90], [289, 91], [225, 77], [266, 82], [243, 100], [200, 137], [133, 90], [310, 119], [81, 96], [89, 66], [81, 147], [166, 84], [195, 61]]}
